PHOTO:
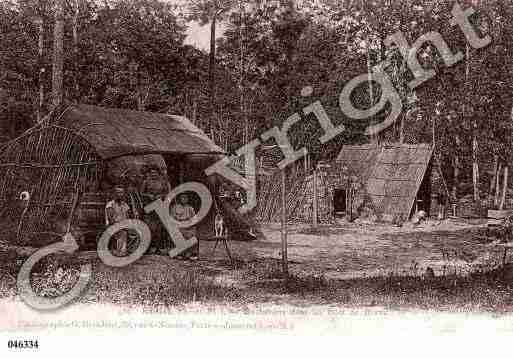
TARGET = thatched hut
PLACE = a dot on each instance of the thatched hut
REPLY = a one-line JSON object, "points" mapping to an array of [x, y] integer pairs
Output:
{"points": [[68, 163]]}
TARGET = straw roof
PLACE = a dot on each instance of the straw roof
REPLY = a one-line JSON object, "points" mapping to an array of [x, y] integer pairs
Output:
{"points": [[117, 132], [392, 174], [358, 159]]}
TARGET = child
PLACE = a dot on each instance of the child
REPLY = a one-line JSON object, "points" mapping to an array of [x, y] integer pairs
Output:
{"points": [[182, 211]]}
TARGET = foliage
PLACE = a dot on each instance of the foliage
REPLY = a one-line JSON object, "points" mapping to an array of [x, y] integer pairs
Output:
{"points": [[132, 54]]}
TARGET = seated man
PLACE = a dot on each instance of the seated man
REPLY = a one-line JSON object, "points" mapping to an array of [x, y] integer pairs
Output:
{"points": [[116, 211], [183, 211]]}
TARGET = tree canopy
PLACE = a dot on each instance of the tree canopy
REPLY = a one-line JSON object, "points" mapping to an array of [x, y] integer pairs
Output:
{"points": [[132, 54]]}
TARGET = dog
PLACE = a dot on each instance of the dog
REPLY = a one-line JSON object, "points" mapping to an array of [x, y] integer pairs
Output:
{"points": [[24, 196], [219, 228], [419, 217]]}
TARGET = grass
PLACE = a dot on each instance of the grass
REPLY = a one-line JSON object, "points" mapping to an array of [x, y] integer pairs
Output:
{"points": [[261, 281], [486, 289], [163, 288]]}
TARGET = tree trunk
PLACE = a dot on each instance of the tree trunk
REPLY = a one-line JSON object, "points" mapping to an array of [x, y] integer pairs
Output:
{"points": [[373, 138], [494, 178], [284, 257], [456, 169], [466, 112], [40, 59], [211, 73], [76, 92], [142, 95], [194, 110], [245, 136], [475, 167], [504, 188], [58, 54]]}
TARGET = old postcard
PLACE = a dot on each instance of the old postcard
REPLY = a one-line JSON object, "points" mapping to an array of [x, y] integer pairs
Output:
{"points": [[175, 172]]}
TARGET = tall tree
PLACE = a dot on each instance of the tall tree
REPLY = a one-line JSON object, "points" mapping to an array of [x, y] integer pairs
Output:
{"points": [[210, 12], [58, 54], [76, 13], [41, 70]]}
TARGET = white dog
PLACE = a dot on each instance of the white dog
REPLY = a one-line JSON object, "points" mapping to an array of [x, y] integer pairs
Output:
{"points": [[25, 196], [219, 228]]}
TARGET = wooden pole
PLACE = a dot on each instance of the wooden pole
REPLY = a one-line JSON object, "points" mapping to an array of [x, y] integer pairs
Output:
{"points": [[404, 116], [504, 188], [348, 195], [284, 258], [350, 199], [497, 186], [315, 208], [401, 130], [494, 178], [306, 161], [433, 119], [456, 168], [72, 212]]}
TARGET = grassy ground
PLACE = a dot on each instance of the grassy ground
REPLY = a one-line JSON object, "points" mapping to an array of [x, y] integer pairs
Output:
{"points": [[356, 275]]}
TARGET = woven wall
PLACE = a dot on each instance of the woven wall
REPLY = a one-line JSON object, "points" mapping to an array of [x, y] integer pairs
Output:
{"points": [[52, 164]]}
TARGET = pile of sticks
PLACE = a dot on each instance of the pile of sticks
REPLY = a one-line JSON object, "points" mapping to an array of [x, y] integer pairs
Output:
{"points": [[299, 197]]}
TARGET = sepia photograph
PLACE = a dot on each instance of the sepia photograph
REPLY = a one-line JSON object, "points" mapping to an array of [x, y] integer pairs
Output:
{"points": [[261, 168]]}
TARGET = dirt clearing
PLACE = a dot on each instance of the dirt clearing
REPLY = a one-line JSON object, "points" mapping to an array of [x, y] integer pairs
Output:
{"points": [[359, 250]]}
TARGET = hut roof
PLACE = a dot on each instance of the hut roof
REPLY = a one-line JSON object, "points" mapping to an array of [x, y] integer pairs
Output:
{"points": [[358, 159], [392, 174], [118, 132]]}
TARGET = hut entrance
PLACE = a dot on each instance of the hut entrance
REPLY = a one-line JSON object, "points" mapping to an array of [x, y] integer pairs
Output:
{"points": [[339, 201], [423, 198], [174, 164]]}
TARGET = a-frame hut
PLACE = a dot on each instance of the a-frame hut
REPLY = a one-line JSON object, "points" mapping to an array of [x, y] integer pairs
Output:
{"points": [[386, 182]]}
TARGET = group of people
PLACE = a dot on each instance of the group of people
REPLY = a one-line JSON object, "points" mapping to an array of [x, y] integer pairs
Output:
{"points": [[154, 187]]}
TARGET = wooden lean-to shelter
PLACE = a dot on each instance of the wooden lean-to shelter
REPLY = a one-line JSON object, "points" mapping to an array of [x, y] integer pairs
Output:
{"points": [[387, 183], [394, 179], [63, 163]]}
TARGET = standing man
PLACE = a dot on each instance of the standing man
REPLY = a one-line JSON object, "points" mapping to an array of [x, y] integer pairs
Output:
{"points": [[183, 211], [156, 186], [117, 210]]}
